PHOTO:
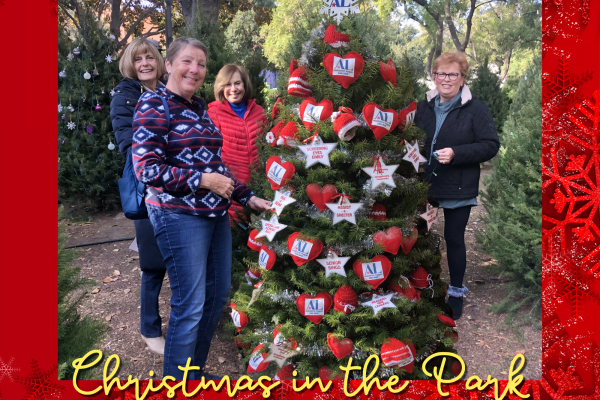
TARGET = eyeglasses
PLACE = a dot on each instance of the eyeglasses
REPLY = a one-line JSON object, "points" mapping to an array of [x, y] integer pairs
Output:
{"points": [[442, 75]]}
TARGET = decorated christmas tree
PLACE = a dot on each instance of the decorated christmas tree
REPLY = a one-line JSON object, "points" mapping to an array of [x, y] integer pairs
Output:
{"points": [[344, 265], [89, 162]]}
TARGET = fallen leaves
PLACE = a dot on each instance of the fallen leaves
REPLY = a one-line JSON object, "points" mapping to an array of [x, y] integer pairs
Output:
{"points": [[95, 291], [115, 249], [109, 279], [127, 291], [116, 272]]}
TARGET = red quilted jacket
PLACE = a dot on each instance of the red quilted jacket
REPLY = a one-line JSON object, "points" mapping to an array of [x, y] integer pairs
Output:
{"points": [[239, 136]]}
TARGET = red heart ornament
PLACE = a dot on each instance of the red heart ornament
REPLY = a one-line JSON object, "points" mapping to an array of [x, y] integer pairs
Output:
{"points": [[257, 360], [266, 257], [374, 272], [396, 353], [279, 173], [253, 242], [326, 374], [388, 71], [391, 240], [311, 112], [314, 308], [240, 319], [380, 121], [321, 195], [302, 249], [344, 70], [378, 212], [409, 241], [406, 116], [340, 347]]}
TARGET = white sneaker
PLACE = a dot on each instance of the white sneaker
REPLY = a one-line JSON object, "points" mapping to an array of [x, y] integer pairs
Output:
{"points": [[155, 344]]}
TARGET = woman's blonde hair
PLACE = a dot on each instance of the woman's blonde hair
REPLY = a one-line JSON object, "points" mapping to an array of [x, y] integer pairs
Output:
{"points": [[139, 46], [450, 57], [223, 78]]}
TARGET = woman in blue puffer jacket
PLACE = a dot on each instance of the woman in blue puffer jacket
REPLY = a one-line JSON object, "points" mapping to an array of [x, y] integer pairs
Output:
{"points": [[141, 66]]}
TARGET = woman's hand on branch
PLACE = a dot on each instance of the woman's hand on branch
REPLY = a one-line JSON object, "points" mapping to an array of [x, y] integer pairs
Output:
{"points": [[258, 204]]}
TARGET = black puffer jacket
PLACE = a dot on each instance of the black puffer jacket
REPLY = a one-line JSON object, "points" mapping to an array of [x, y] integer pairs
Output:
{"points": [[122, 105], [469, 130]]}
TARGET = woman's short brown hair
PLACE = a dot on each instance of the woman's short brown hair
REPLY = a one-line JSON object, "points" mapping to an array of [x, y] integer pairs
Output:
{"points": [[140, 46], [224, 76], [450, 57], [180, 43]]}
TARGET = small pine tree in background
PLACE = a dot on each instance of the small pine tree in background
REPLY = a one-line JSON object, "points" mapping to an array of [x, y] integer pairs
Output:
{"points": [[224, 47], [486, 88], [76, 335], [513, 197], [89, 165]]}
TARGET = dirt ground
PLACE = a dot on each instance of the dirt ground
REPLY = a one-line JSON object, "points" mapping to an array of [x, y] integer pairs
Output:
{"points": [[486, 343]]}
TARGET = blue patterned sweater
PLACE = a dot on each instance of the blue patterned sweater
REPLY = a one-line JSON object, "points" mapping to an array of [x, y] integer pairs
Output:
{"points": [[171, 159]]}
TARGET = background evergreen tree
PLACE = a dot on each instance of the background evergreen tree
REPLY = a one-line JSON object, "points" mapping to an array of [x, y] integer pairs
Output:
{"points": [[410, 321], [88, 168], [486, 87], [76, 335], [513, 197], [224, 47]]}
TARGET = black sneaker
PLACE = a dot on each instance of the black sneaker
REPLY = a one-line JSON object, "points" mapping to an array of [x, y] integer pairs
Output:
{"points": [[456, 304]]}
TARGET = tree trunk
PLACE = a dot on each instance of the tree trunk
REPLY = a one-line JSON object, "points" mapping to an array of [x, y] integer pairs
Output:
{"points": [[506, 65], [210, 8], [115, 18], [188, 8]]}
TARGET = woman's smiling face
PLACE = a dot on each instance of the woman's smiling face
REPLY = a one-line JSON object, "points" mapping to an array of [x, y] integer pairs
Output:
{"points": [[187, 72], [447, 87]]}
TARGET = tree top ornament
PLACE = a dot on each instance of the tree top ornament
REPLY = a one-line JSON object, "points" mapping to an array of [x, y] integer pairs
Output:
{"points": [[339, 8]]}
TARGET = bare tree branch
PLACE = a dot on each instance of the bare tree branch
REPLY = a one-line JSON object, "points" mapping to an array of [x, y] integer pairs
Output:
{"points": [[413, 17], [100, 10], [491, 1], [133, 26], [475, 54], [70, 16]]}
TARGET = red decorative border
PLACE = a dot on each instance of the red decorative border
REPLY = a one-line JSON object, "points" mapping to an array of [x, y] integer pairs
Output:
{"points": [[571, 238]]}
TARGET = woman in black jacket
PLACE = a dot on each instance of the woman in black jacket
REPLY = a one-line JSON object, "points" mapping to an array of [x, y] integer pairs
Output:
{"points": [[460, 135], [141, 66]]}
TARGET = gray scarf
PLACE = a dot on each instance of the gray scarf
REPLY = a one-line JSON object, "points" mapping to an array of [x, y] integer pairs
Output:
{"points": [[441, 112]]}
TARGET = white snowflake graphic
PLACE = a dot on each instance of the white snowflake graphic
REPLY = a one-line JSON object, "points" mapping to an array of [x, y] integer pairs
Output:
{"points": [[70, 56], [60, 107], [112, 92], [339, 8], [71, 125], [6, 369], [62, 74], [108, 59]]}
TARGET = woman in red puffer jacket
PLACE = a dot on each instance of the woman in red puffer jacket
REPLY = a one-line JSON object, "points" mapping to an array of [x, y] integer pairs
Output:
{"points": [[239, 119]]}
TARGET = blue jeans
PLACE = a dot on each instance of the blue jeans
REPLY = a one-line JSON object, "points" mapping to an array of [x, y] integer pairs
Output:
{"points": [[197, 253], [153, 272]]}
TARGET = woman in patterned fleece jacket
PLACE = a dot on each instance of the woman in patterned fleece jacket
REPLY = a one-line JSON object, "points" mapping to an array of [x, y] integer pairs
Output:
{"points": [[189, 192]]}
